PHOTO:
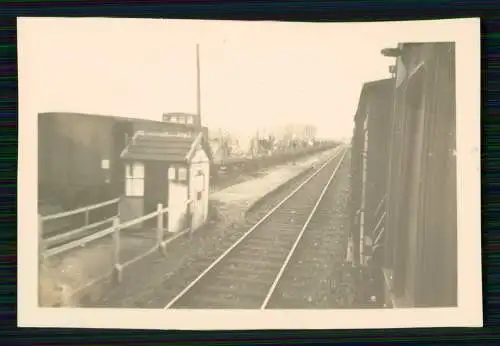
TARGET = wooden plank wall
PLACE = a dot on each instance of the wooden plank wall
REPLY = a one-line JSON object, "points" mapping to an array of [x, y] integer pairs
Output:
{"points": [[438, 268], [421, 247], [378, 121], [356, 175]]}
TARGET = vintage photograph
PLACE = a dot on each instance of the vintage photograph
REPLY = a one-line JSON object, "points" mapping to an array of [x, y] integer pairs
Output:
{"points": [[207, 172]]}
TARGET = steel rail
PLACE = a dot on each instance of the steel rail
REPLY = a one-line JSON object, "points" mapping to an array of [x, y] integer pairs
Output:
{"points": [[339, 150], [299, 237]]}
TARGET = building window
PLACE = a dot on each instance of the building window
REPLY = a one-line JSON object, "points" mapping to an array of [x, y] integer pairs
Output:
{"points": [[134, 179], [189, 120], [173, 119]]}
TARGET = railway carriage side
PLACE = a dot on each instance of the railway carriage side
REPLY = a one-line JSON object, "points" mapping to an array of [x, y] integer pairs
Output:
{"points": [[421, 257], [368, 168], [403, 177], [76, 158], [368, 172], [79, 155]]}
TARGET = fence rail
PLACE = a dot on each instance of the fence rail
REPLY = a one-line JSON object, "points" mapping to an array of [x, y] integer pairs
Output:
{"points": [[85, 210], [72, 237], [115, 231], [49, 242]]}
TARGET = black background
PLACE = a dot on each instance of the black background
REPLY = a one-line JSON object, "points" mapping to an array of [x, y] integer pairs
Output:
{"points": [[311, 11]]}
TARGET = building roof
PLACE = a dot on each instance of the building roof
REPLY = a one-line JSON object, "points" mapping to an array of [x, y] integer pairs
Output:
{"points": [[160, 147]]}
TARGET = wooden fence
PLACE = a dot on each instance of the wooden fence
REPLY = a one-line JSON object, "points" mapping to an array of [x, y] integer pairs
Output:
{"points": [[75, 237], [115, 230]]}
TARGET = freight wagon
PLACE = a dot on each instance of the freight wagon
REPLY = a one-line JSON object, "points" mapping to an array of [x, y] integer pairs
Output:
{"points": [[79, 155], [369, 160], [403, 180]]}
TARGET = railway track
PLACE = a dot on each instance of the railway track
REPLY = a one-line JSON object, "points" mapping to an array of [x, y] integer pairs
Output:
{"points": [[315, 277], [246, 275]]}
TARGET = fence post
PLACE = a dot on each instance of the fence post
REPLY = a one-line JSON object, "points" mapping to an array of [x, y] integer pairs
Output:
{"points": [[189, 214], [117, 247], [86, 217], [41, 249], [41, 244], [159, 228]]}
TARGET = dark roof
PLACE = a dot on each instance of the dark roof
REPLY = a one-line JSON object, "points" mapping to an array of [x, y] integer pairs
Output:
{"points": [[159, 147], [376, 85], [162, 124], [122, 118], [100, 116], [181, 114], [382, 87]]}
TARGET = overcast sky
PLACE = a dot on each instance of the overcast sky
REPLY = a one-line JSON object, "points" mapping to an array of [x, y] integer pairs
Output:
{"points": [[252, 74]]}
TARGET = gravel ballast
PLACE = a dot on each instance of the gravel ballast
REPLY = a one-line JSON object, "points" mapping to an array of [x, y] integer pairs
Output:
{"points": [[316, 276]]}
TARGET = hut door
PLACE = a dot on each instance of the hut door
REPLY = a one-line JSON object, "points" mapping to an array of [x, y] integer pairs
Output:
{"points": [[155, 188], [200, 200], [177, 197]]}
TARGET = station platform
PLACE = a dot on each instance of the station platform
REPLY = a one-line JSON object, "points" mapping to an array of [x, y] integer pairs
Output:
{"points": [[233, 202], [73, 270]]}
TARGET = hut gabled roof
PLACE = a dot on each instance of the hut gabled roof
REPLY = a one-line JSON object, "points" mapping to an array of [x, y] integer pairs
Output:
{"points": [[161, 147]]}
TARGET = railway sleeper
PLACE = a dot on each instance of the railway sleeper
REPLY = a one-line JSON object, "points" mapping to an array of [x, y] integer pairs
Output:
{"points": [[250, 272], [210, 302], [250, 282], [277, 242], [286, 219], [271, 253], [268, 267], [236, 290], [258, 262]]}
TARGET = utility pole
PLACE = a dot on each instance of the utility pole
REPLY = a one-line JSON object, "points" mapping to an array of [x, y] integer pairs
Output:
{"points": [[198, 85]]}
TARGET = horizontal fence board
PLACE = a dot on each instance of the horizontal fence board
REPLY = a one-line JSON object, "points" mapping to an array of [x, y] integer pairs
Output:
{"points": [[79, 242], [79, 210], [68, 235]]}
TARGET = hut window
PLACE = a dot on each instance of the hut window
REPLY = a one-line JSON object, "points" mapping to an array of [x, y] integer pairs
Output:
{"points": [[199, 184], [171, 173], [177, 174], [134, 179], [182, 174]]}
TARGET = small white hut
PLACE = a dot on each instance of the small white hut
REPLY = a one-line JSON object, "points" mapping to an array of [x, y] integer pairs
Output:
{"points": [[167, 169]]}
